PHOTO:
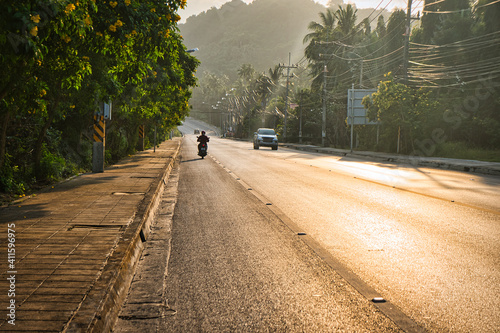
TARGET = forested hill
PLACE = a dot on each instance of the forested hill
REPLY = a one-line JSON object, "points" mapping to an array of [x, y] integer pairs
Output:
{"points": [[261, 33]]}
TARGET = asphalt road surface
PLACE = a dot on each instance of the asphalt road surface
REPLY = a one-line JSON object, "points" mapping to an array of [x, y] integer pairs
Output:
{"points": [[427, 240], [235, 267]]}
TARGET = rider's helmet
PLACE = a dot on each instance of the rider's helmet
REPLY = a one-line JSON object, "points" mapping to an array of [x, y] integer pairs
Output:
{"points": [[203, 132]]}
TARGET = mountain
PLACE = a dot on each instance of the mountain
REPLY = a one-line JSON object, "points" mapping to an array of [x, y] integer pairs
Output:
{"points": [[261, 33]]}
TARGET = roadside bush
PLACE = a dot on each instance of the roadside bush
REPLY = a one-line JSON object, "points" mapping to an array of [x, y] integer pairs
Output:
{"points": [[53, 167], [10, 181], [177, 133], [462, 150]]}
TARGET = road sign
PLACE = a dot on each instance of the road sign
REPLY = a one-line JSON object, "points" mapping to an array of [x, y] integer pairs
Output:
{"points": [[356, 112], [99, 128], [141, 138], [107, 110], [99, 143]]}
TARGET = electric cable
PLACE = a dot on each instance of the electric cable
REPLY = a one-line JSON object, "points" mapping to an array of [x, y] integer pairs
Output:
{"points": [[473, 8]]}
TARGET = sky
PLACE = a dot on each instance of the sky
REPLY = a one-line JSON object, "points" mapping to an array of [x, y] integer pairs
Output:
{"points": [[197, 6]]}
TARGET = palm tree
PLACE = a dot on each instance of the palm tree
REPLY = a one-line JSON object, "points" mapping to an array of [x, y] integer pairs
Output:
{"points": [[319, 46], [275, 76], [321, 32], [246, 72], [264, 88], [346, 18]]}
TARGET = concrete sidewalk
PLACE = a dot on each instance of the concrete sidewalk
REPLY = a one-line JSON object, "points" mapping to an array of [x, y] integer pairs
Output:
{"points": [[67, 255], [489, 168]]}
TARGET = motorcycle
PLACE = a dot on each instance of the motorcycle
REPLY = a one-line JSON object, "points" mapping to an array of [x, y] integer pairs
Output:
{"points": [[202, 150]]}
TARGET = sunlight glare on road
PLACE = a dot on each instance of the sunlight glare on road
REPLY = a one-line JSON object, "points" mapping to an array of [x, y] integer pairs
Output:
{"points": [[388, 174]]}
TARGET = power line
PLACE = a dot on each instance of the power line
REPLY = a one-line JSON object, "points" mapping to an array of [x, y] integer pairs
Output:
{"points": [[435, 63], [460, 10]]}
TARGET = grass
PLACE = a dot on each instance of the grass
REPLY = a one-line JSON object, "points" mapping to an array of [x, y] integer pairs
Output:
{"points": [[462, 151]]}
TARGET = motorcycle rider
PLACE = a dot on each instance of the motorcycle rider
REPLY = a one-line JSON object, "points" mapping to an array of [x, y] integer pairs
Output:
{"points": [[202, 139]]}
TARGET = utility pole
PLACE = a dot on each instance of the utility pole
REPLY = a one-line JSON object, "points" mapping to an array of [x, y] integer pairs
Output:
{"points": [[290, 66], [323, 122], [361, 74], [352, 115], [100, 117], [300, 120], [406, 51]]}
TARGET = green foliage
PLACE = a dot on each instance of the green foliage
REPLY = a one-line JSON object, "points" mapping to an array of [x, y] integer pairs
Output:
{"points": [[61, 59], [464, 151], [403, 112], [449, 93], [11, 180], [53, 167]]}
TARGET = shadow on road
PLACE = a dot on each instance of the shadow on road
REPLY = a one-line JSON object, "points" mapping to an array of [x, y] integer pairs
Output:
{"points": [[192, 160]]}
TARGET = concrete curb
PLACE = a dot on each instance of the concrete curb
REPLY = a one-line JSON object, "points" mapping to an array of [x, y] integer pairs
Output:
{"points": [[146, 304], [99, 310]]}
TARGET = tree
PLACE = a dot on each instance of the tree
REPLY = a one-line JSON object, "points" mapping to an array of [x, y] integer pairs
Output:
{"points": [[396, 29], [322, 31], [62, 58], [30, 35], [381, 29], [430, 22], [321, 34], [275, 76], [346, 17], [308, 112], [246, 72], [488, 15], [406, 115]]}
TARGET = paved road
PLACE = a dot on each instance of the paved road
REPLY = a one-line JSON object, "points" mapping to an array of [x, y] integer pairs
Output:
{"points": [[426, 239], [235, 267], [436, 259]]}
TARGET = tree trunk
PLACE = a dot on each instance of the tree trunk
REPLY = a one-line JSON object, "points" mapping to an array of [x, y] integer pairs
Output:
{"points": [[41, 137], [9, 88], [3, 137]]}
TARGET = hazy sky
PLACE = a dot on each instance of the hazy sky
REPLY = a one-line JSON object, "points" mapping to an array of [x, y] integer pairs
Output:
{"points": [[197, 6]]}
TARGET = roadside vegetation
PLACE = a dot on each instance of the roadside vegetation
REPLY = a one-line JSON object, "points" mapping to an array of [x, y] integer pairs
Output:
{"points": [[60, 59], [446, 103]]}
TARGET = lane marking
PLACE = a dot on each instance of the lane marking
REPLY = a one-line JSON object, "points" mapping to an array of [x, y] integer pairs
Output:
{"points": [[390, 310]]}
